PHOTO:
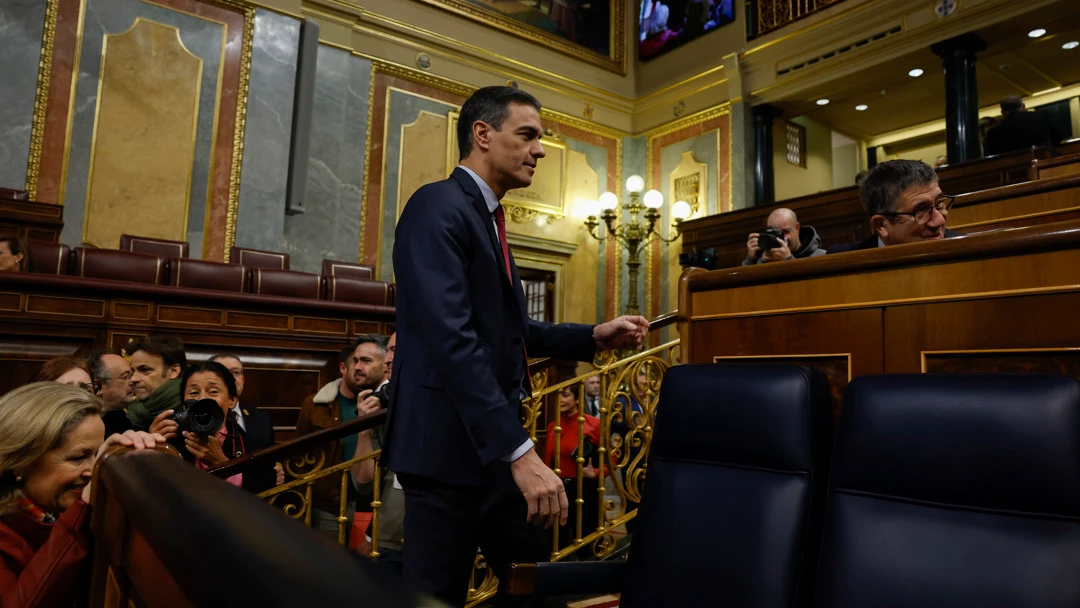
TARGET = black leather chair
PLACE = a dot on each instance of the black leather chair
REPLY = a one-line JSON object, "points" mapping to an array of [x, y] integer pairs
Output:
{"points": [[732, 507], [954, 490], [163, 247]]}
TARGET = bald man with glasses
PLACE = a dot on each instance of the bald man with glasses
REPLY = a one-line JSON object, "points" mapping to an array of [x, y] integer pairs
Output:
{"points": [[905, 205]]}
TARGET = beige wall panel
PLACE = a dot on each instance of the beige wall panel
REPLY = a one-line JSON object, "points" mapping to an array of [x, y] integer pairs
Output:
{"points": [[579, 286], [144, 136], [423, 155], [817, 176]]}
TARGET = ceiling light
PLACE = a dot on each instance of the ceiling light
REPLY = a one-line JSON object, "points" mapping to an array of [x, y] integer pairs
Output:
{"points": [[822, 102], [862, 107], [1070, 45], [915, 73], [1036, 33]]}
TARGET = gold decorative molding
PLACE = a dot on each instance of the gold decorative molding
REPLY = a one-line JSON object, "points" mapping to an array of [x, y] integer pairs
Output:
{"points": [[540, 245], [41, 97], [367, 169], [614, 61], [241, 120]]}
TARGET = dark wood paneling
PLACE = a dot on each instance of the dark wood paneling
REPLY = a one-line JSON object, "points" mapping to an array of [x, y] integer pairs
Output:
{"points": [[839, 343], [289, 347], [31, 220]]}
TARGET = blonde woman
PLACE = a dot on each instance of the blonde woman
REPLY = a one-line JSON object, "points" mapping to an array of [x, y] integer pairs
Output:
{"points": [[50, 436]]}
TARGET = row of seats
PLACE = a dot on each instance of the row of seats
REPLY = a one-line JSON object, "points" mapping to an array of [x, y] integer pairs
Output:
{"points": [[940, 491], [156, 262]]}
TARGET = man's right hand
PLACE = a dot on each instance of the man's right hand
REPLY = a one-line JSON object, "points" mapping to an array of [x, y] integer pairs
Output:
{"points": [[542, 488], [164, 426], [752, 249]]}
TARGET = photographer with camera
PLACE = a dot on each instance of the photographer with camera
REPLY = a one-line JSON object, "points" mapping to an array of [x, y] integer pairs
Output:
{"points": [[568, 469], [783, 239], [362, 365]]}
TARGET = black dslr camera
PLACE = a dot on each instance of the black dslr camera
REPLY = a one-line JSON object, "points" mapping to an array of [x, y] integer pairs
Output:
{"points": [[699, 258], [202, 417], [383, 394], [770, 238]]}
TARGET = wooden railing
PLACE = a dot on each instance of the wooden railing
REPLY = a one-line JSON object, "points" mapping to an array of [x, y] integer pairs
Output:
{"points": [[168, 536]]}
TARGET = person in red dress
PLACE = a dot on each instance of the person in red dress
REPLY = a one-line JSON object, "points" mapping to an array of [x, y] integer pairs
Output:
{"points": [[568, 466], [50, 436]]}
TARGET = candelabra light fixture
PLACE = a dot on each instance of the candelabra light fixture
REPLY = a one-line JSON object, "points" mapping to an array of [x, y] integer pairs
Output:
{"points": [[633, 234]]}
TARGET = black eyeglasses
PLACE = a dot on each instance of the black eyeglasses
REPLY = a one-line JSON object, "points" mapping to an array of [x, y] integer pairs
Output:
{"points": [[922, 214]]}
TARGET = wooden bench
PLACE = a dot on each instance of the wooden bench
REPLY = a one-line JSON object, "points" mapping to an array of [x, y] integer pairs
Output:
{"points": [[1059, 166]]}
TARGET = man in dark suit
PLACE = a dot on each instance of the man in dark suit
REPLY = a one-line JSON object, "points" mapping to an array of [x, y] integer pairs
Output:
{"points": [[471, 474], [1019, 128], [905, 205]]}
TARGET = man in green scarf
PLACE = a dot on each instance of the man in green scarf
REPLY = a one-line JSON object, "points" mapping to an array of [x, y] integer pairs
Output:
{"points": [[156, 364]]}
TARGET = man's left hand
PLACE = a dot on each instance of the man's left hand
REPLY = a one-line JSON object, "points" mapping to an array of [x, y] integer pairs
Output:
{"points": [[625, 332], [777, 254], [366, 404]]}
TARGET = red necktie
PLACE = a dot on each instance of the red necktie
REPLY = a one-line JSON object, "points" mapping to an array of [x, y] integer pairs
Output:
{"points": [[500, 228]]}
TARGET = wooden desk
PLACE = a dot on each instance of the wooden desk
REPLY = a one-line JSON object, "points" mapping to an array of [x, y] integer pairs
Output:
{"points": [[1059, 166], [290, 346], [1003, 301], [31, 220], [1027, 204]]}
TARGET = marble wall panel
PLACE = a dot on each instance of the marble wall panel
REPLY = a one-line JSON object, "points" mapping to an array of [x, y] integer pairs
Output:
{"points": [[403, 108], [202, 37], [330, 226], [260, 222], [21, 27]]}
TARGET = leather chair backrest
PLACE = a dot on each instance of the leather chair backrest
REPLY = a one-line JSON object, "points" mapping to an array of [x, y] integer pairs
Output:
{"points": [[47, 257], [201, 274], [337, 268], [253, 258], [165, 248], [954, 490], [358, 291], [286, 283], [731, 510], [119, 265], [14, 195]]}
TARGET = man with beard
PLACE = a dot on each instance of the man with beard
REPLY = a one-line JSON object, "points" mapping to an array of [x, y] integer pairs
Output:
{"points": [[362, 366]]}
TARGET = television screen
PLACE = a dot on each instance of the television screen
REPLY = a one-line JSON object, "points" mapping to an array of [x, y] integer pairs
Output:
{"points": [[665, 24]]}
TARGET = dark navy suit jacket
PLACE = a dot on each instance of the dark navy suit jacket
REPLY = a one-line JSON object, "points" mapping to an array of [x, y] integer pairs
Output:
{"points": [[461, 324]]}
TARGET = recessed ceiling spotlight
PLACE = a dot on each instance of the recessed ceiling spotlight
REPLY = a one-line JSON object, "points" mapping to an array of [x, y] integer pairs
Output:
{"points": [[822, 102], [1036, 33], [862, 107], [1070, 45], [915, 73]]}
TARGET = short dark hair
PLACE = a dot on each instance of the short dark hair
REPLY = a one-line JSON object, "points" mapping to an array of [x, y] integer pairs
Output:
{"points": [[380, 342], [169, 348], [886, 181], [1011, 102], [17, 246], [490, 105], [226, 356], [96, 364], [213, 367], [58, 366]]}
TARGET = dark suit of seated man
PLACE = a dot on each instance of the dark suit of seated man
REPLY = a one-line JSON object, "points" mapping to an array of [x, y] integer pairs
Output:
{"points": [[905, 205], [1019, 128], [454, 434]]}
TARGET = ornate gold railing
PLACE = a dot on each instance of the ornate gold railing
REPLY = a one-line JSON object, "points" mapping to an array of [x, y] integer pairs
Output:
{"points": [[769, 15], [629, 391]]}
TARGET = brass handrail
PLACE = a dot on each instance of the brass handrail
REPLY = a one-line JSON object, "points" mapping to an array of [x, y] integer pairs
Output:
{"points": [[304, 443]]}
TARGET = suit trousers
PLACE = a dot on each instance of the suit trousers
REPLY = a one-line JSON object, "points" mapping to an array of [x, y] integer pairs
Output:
{"points": [[445, 524]]}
